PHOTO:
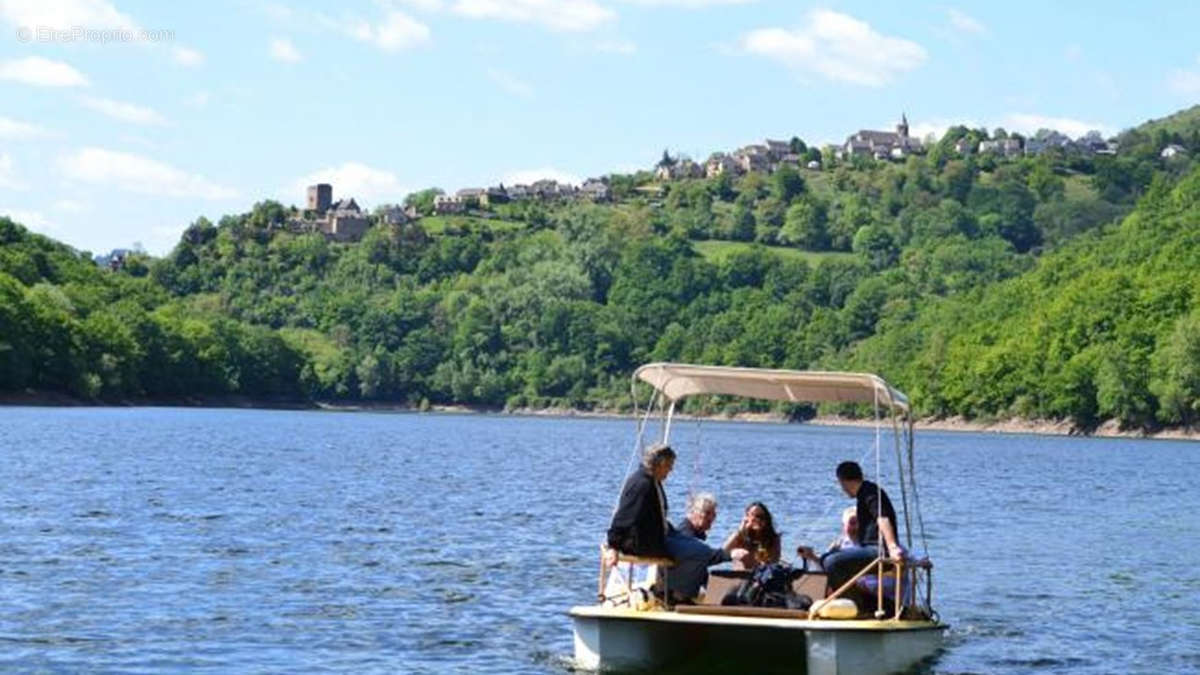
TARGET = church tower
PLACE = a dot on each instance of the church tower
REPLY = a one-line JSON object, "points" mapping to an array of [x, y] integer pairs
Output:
{"points": [[902, 127]]}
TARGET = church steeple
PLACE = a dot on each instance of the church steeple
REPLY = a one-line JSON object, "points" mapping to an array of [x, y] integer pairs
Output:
{"points": [[902, 127]]}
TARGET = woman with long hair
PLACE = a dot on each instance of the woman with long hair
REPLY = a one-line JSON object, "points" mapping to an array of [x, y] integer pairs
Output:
{"points": [[756, 534]]}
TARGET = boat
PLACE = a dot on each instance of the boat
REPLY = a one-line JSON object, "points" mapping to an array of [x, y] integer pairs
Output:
{"points": [[639, 628]]}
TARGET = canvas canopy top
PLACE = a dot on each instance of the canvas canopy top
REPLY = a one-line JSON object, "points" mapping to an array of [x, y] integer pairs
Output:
{"points": [[677, 381]]}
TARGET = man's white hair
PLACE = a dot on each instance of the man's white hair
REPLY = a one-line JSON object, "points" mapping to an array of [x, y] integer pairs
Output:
{"points": [[701, 502]]}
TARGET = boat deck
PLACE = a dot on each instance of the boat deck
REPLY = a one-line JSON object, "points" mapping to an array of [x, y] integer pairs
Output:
{"points": [[762, 618]]}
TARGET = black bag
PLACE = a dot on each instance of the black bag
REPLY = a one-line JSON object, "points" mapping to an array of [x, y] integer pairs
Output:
{"points": [[770, 586]]}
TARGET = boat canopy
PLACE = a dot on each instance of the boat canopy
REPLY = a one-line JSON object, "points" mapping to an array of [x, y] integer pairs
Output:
{"points": [[677, 381]]}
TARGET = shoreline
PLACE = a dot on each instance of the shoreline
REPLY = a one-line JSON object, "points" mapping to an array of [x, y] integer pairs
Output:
{"points": [[1013, 425]]}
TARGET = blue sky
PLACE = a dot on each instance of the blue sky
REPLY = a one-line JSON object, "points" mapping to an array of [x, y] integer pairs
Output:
{"points": [[122, 122]]}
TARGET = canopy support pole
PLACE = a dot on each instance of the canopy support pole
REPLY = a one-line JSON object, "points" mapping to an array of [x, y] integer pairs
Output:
{"points": [[667, 425]]}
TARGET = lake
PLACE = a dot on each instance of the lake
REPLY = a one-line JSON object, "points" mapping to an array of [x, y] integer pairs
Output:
{"points": [[165, 539]]}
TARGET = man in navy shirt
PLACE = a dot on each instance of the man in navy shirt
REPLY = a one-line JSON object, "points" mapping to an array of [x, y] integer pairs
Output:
{"points": [[876, 520]]}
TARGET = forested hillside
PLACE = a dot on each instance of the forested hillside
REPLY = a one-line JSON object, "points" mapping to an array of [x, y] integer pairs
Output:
{"points": [[983, 286], [1108, 327]]}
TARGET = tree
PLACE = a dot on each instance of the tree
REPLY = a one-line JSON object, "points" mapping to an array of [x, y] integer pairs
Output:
{"points": [[423, 201], [877, 246], [742, 224], [1045, 184], [722, 186], [804, 226], [786, 184], [1175, 372]]}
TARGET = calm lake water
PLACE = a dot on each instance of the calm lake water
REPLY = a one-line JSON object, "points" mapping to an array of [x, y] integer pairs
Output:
{"points": [[150, 540]]}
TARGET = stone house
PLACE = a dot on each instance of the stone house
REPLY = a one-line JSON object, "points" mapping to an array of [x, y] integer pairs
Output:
{"points": [[1005, 147], [752, 161], [495, 195], [319, 197], [777, 150], [345, 221], [393, 215], [684, 168], [1046, 139], [595, 190], [719, 163], [545, 189], [881, 144], [443, 204], [472, 197]]}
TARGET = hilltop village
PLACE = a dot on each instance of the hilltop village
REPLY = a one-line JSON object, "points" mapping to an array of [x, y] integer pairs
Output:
{"points": [[344, 220]]}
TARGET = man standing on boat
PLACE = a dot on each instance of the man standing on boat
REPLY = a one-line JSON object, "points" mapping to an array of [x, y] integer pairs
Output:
{"points": [[876, 519], [639, 526]]}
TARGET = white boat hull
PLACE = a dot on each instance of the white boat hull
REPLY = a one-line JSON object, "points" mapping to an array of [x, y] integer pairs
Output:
{"points": [[621, 639]]}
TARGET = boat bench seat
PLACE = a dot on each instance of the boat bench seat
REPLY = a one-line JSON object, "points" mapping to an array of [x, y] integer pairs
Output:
{"points": [[627, 578], [643, 560], [742, 610], [723, 582]]}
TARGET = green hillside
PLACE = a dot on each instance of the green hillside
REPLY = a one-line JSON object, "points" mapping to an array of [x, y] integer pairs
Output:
{"points": [[985, 286], [1108, 327]]}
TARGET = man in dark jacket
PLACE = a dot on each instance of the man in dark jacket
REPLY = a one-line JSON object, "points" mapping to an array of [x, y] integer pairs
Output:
{"points": [[639, 525]]}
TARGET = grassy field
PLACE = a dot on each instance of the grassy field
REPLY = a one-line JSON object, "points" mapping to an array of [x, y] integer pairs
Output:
{"points": [[717, 251], [1079, 187], [439, 224]]}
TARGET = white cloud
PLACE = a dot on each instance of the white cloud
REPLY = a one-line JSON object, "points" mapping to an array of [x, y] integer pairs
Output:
{"points": [[69, 206], [185, 56], [283, 50], [510, 83], [198, 99], [64, 15], [427, 5], [396, 31], [136, 173], [1184, 81], [16, 130], [68, 15], [41, 72], [688, 4], [1024, 123], [837, 47], [393, 31], [33, 220], [354, 179], [279, 11], [126, 112], [1027, 123], [623, 47], [8, 178], [936, 127], [556, 15], [526, 176], [964, 22]]}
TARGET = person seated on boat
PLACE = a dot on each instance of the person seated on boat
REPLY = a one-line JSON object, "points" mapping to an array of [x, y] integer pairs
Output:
{"points": [[844, 541], [692, 556], [848, 537], [875, 519], [757, 535], [639, 525]]}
